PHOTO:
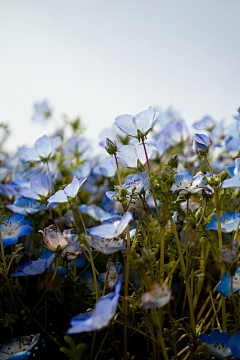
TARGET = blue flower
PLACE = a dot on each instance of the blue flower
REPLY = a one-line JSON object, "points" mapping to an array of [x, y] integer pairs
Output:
{"points": [[40, 187], [19, 348], [134, 204], [200, 142], [219, 342], [42, 111], [224, 287], [185, 184], [229, 222], [99, 317], [96, 212], [157, 295], [8, 191], [112, 274], [26, 206], [35, 267], [13, 228], [137, 126], [235, 176], [107, 168], [70, 191], [44, 149], [206, 123], [235, 345], [136, 183], [131, 155]]}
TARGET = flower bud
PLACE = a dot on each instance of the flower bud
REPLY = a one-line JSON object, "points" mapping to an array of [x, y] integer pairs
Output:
{"points": [[173, 162], [111, 147], [200, 144]]}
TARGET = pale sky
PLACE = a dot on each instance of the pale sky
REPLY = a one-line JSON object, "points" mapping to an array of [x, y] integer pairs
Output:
{"points": [[103, 58]]}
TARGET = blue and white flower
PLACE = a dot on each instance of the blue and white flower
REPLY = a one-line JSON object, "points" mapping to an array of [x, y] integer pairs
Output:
{"points": [[40, 187], [13, 228], [229, 222], [201, 143], [206, 123], [70, 191], [35, 267], [137, 126], [111, 275], [224, 287], [44, 148], [26, 206], [131, 155], [96, 212], [42, 111], [235, 176], [100, 316], [219, 342]]}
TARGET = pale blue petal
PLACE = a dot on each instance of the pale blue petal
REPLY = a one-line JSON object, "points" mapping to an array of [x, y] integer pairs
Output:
{"points": [[125, 123], [28, 193], [144, 120], [58, 197], [43, 146]]}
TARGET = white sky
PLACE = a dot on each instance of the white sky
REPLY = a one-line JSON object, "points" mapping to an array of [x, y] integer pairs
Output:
{"points": [[104, 58]]}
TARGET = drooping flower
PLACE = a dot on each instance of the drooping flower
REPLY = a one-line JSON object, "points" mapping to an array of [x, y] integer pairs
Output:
{"points": [[44, 148], [35, 267], [225, 288], [40, 187], [14, 227], [157, 295], [71, 251], [54, 239], [18, 348], [200, 144], [70, 191], [219, 342], [112, 274], [137, 126], [229, 222], [100, 316]]}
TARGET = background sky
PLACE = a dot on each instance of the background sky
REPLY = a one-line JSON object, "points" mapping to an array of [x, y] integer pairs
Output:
{"points": [[104, 58]]}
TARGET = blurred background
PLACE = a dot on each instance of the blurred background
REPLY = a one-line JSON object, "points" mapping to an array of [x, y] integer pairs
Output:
{"points": [[98, 59]]}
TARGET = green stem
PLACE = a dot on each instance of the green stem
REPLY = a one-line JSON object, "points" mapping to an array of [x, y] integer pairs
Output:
{"points": [[118, 172], [188, 290], [138, 225], [49, 285], [127, 269]]}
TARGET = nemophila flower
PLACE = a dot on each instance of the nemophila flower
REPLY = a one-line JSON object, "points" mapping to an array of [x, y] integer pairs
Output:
{"points": [[232, 143], [106, 238], [82, 170], [54, 239], [44, 149], [229, 222], [71, 251], [235, 345], [18, 348], [14, 227], [77, 148], [229, 253], [26, 206], [134, 155], [70, 191], [219, 342], [224, 287], [100, 316], [136, 183], [112, 274], [134, 204], [35, 267], [40, 187], [107, 168], [8, 191], [42, 111], [185, 184], [137, 126], [96, 212], [157, 295], [206, 123], [200, 144], [234, 172]]}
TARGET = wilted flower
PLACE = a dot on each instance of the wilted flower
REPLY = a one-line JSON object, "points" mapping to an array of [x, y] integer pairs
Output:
{"points": [[200, 144], [72, 251], [18, 348], [99, 317], [157, 295], [229, 253], [70, 191], [13, 228], [137, 126], [54, 239], [35, 267]]}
